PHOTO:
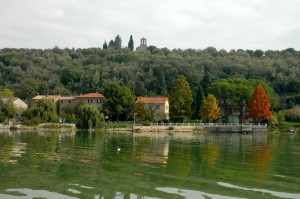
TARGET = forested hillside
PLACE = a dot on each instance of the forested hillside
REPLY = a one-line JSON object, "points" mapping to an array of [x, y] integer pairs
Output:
{"points": [[75, 71]]}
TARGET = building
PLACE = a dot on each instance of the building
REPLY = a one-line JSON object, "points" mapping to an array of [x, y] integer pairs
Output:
{"points": [[20, 105], [91, 98], [158, 106], [233, 112], [143, 45], [61, 102], [52, 98], [66, 102]]}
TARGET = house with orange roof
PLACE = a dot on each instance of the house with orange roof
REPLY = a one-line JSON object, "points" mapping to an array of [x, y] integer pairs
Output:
{"points": [[91, 98], [158, 106]]}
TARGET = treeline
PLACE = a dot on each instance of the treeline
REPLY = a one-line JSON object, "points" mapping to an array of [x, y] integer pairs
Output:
{"points": [[151, 73]]}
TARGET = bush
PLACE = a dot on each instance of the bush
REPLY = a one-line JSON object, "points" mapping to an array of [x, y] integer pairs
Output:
{"points": [[89, 117], [293, 115]]}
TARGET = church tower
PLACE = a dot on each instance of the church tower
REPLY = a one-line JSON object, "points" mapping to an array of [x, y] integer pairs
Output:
{"points": [[143, 45]]}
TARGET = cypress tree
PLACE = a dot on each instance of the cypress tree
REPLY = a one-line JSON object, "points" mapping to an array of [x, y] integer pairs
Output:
{"points": [[105, 45], [130, 43]]}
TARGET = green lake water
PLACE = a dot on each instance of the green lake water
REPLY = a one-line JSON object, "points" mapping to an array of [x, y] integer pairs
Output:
{"points": [[125, 165]]}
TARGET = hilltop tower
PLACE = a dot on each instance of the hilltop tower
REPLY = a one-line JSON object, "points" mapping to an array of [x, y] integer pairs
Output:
{"points": [[143, 45]]}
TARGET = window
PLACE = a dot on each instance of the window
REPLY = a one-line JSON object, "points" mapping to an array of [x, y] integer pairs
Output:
{"points": [[69, 101], [61, 102]]}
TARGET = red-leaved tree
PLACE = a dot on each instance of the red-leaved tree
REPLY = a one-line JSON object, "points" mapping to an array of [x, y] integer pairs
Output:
{"points": [[259, 105]]}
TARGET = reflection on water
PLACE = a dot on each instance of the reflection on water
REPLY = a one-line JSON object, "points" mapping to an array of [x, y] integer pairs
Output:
{"points": [[125, 165], [29, 193], [264, 191], [190, 194]]}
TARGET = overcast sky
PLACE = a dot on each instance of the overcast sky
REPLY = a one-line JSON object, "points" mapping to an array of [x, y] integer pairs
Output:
{"points": [[223, 24]]}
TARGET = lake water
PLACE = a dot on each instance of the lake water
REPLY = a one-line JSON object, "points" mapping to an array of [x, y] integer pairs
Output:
{"points": [[125, 165]]}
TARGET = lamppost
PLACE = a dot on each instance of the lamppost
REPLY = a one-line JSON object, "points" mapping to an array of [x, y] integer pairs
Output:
{"points": [[134, 119]]}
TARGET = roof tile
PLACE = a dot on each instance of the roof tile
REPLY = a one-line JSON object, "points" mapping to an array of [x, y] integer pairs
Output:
{"points": [[91, 95], [152, 100]]}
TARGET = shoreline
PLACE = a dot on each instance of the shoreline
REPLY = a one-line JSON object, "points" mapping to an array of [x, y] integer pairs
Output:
{"points": [[154, 129]]}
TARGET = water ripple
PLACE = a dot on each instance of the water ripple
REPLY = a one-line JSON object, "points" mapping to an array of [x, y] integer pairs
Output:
{"points": [[194, 194], [274, 193], [29, 193]]}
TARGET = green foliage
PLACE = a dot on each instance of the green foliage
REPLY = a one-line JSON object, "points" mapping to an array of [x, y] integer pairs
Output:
{"points": [[73, 71], [293, 114], [69, 114], [180, 98], [43, 112], [6, 93], [142, 114], [209, 110], [116, 44], [199, 97], [131, 44], [104, 45], [7, 108], [273, 121], [118, 101], [89, 117]]}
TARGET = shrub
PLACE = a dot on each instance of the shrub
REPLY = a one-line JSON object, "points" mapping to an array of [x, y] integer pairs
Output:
{"points": [[293, 115]]}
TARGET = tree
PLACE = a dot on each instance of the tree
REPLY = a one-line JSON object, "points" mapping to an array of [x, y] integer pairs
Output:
{"points": [[104, 45], [259, 105], [140, 89], [7, 93], [142, 114], [209, 109], [160, 82], [181, 98], [241, 94], [130, 43], [111, 44], [7, 108], [89, 117], [118, 42], [44, 111], [199, 97], [119, 101], [272, 96], [223, 90]]}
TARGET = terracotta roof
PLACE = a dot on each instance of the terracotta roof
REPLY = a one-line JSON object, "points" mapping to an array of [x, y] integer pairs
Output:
{"points": [[91, 95], [152, 100]]}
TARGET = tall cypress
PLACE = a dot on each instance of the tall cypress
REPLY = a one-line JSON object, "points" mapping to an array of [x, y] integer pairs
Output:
{"points": [[130, 43], [105, 45]]}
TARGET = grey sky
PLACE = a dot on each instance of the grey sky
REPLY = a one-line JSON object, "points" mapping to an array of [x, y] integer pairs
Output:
{"points": [[228, 24]]}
